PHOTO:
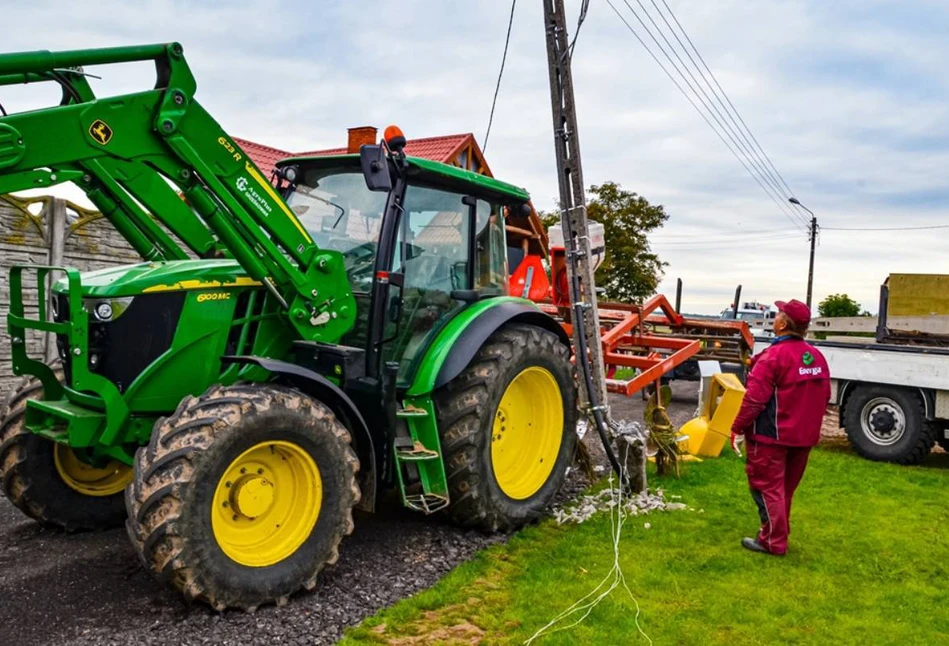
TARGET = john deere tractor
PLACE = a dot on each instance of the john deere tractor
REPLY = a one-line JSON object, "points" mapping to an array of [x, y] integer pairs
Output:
{"points": [[292, 347]]}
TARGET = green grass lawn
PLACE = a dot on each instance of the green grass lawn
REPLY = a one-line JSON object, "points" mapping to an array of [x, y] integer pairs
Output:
{"points": [[868, 564]]}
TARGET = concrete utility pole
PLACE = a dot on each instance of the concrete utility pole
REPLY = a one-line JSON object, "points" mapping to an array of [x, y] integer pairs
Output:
{"points": [[576, 234], [812, 234]]}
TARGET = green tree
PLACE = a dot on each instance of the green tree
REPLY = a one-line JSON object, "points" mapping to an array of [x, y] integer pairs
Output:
{"points": [[631, 271], [838, 305]]}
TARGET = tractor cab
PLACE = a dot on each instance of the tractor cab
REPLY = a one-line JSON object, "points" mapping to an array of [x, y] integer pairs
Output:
{"points": [[443, 248]]}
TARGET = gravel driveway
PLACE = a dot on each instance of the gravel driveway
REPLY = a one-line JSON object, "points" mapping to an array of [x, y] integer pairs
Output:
{"points": [[89, 588]]}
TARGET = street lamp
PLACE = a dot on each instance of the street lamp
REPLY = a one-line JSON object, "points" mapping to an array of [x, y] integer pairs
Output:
{"points": [[813, 237]]}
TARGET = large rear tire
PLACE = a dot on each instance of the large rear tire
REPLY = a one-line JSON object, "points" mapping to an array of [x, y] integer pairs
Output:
{"points": [[51, 483], [508, 428], [243, 495]]}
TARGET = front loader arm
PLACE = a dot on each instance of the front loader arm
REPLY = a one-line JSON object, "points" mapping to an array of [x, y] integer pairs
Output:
{"points": [[130, 149]]}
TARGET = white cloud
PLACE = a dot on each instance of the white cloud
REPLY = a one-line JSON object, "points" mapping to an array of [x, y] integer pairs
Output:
{"points": [[848, 98]]}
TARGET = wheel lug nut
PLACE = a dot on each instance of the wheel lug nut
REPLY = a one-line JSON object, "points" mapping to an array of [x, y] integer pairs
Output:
{"points": [[228, 483], [225, 504], [243, 470], [260, 471], [234, 517]]}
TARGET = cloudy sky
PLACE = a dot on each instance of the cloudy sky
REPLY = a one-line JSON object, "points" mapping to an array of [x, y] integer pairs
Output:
{"points": [[849, 99]]}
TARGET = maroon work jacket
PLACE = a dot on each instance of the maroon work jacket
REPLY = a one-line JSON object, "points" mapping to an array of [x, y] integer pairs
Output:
{"points": [[786, 394]]}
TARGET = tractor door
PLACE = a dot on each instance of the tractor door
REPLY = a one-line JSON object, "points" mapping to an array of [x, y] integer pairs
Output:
{"points": [[450, 252]]}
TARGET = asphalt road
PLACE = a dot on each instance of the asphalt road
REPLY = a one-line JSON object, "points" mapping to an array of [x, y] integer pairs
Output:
{"points": [[90, 589]]}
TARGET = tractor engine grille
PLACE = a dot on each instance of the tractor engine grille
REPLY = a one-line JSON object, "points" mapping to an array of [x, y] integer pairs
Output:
{"points": [[122, 348]]}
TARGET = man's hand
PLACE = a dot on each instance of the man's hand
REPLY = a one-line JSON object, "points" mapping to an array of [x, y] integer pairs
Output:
{"points": [[737, 438]]}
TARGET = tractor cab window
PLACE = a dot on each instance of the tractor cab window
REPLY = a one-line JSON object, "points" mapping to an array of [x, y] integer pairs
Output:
{"points": [[434, 254], [340, 213], [490, 249]]}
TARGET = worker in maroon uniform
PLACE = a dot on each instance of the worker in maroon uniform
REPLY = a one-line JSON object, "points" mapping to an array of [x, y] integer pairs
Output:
{"points": [[786, 394]]}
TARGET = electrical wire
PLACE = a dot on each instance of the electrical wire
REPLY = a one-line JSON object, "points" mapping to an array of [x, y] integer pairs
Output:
{"points": [[585, 5], [613, 579], [734, 232], [736, 137], [497, 87], [725, 94], [730, 110], [710, 108], [724, 241], [923, 228], [780, 203]]}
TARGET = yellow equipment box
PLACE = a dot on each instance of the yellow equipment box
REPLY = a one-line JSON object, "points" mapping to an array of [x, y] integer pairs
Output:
{"points": [[709, 432]]}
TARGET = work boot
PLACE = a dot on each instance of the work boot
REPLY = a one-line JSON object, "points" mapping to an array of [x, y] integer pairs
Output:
{"points": [[753, 545]]}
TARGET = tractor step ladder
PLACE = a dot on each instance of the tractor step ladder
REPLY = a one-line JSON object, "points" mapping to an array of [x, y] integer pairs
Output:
{"points": [[420, 453]]}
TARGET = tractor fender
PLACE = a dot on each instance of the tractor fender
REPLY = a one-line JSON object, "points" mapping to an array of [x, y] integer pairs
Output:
{"points": [[459, 341], [315, 384]]}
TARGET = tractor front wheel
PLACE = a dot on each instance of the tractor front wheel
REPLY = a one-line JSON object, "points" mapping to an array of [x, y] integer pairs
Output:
{"points": [[51, 482], [508, 428], [243, 495]]}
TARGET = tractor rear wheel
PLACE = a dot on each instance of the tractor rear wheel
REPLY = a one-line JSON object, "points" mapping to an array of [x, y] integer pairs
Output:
{"points": [[243, 495], [508, 428], [50, 482]]}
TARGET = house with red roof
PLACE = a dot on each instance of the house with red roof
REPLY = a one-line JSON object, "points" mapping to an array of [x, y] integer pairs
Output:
{"points": [[458, 150]]}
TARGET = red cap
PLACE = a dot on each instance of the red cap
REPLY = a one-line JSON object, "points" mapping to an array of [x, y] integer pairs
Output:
{"points": [[798, 312]]}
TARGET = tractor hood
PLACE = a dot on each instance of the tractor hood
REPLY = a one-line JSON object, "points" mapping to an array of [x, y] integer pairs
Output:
{"points": [[151, 277]]}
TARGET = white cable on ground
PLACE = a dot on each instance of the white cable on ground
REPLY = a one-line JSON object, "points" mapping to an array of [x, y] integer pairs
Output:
{"points": [[611, 581]]}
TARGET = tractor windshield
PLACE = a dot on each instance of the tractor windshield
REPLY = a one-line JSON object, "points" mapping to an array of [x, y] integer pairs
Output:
{"points": [[341, 214]]}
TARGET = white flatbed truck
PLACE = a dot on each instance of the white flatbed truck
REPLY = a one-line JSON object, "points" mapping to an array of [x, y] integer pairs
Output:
{"points": [[893, 390]]}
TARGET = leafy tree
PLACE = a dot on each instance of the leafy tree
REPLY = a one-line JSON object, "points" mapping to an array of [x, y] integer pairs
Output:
{"points": [[630, 272], [838, 305]]}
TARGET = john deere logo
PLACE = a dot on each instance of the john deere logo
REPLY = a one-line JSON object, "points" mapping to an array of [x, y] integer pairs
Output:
{"points": [[100, 131], [808, 358]]}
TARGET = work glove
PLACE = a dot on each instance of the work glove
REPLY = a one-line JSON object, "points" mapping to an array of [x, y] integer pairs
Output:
{"points": [[736, 440]]}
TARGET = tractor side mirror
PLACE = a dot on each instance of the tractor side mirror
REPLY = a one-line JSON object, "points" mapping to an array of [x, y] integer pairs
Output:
{"points": [[375, 167]]}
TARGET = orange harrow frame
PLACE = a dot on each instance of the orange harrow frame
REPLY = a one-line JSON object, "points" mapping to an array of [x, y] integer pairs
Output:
{"points": [[654, 339]]}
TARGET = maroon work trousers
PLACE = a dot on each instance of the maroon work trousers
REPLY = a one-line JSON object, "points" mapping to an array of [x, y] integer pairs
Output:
{"points": [[773, 474]]}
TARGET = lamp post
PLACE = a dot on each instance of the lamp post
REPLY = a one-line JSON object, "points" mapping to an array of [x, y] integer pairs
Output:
{"points": [[813, 236]]}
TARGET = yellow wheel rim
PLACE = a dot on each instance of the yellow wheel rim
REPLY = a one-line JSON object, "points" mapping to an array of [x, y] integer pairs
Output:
{"points": [[267, 503], [527, 432], [87, 479]]}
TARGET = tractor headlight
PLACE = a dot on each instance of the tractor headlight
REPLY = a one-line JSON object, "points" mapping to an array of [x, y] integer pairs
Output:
{"points": [[106, 309]]}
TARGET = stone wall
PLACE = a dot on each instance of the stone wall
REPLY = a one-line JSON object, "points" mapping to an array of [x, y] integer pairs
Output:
{"points": [[88, 242]]}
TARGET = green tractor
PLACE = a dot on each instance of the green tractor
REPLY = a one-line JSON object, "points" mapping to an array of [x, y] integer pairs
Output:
{"points": [[289, 350]]}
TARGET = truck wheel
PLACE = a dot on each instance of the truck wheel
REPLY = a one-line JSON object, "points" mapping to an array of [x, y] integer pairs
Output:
{"points": [[243, 495], [888, 424], [508, 428], [50, 482]]}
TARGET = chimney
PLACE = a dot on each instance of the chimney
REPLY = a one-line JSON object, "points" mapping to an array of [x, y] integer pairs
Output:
{"points": [[359, 136]]}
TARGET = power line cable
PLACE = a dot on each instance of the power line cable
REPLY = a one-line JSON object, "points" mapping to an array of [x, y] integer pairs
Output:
{"points": [[765, 164], [734, 134], [497, 87], [754, 176], [781, 197], [583, 16], [923, 228], [741, 239], [731, 232], [727, 98], [723, 244]]}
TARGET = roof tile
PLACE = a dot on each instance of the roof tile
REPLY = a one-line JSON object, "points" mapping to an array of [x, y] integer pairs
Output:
{"points": [[441, 149]]}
